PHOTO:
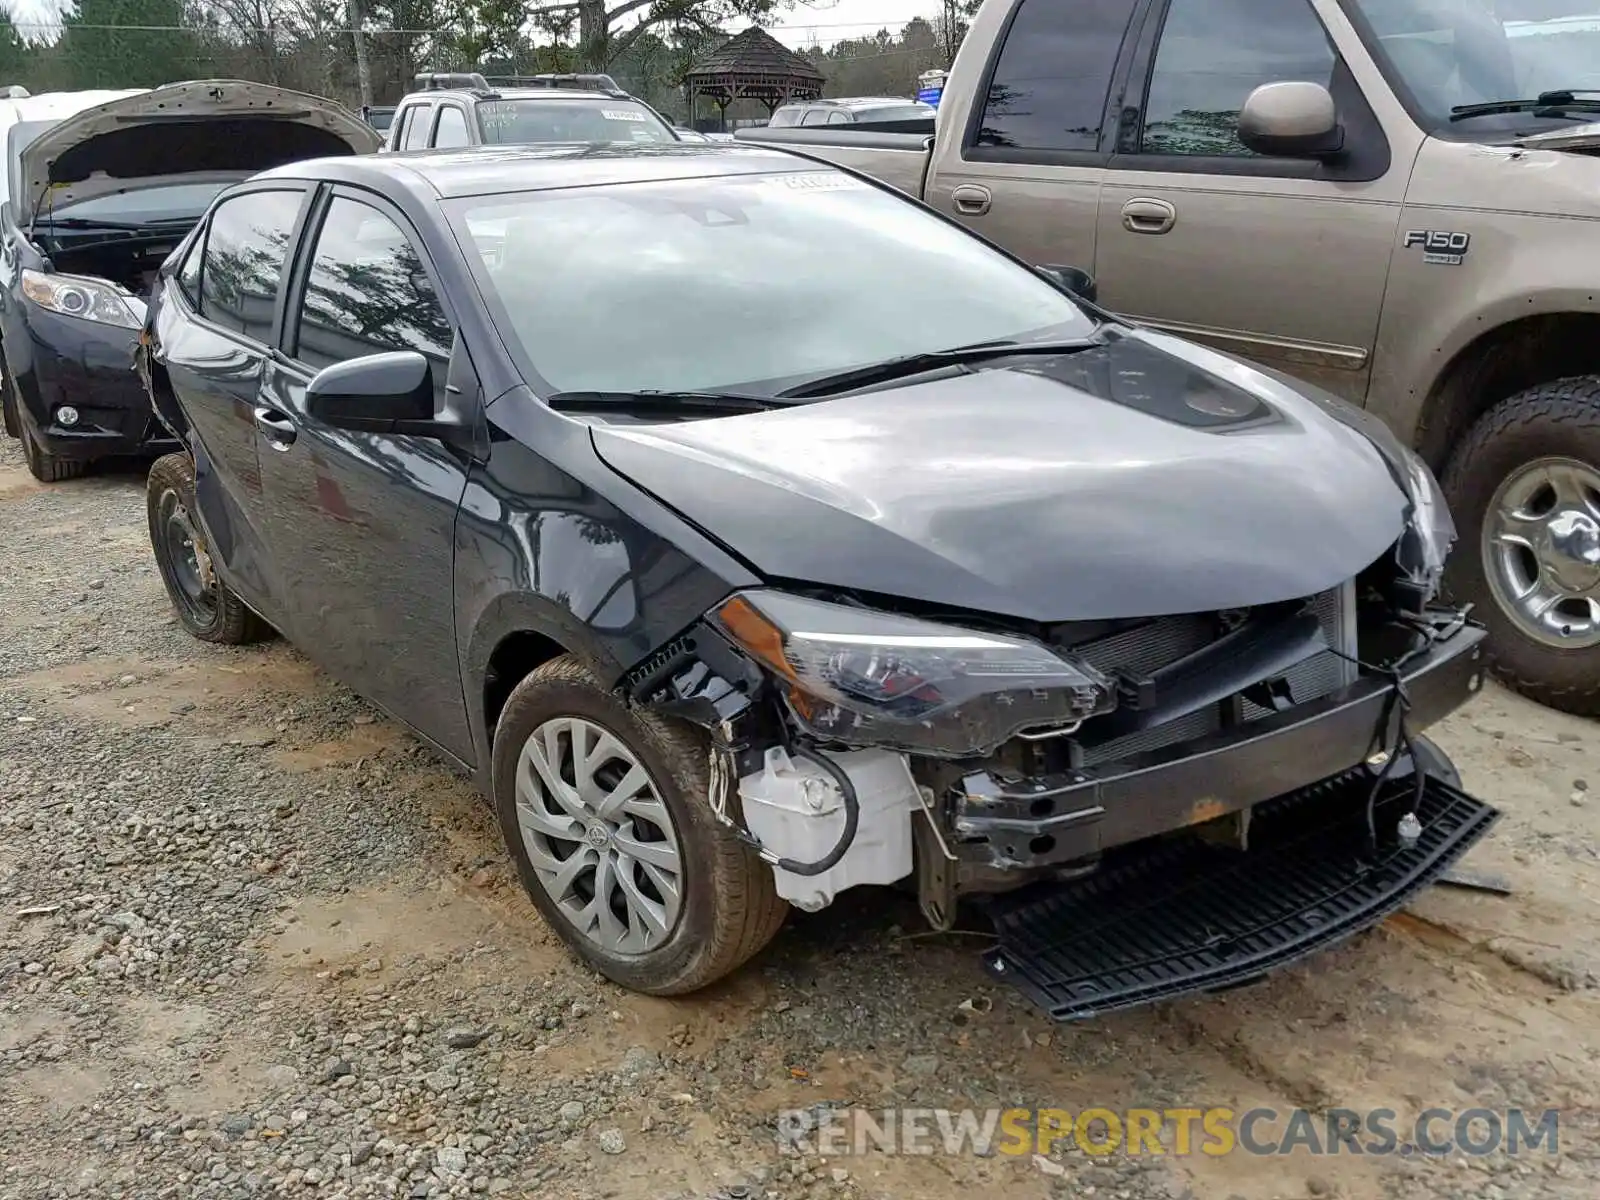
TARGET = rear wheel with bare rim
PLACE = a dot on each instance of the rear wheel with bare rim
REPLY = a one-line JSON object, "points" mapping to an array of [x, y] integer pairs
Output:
{"points": [[205, 605], [605, 810], [1524, 487]]}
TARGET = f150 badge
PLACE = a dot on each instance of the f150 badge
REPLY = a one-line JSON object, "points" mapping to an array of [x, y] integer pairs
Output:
{"points": [[1440, 247]]}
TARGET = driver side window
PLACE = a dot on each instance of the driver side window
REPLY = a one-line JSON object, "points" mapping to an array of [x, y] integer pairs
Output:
{"points": [[368, 292], [1212, 55]]}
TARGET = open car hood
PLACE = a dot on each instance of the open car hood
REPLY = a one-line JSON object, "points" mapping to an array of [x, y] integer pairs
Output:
{"points": [[1141, 478], [218, 128]]}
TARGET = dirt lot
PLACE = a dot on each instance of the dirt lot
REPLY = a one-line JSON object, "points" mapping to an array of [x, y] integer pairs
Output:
{"points": [[253, 940]]}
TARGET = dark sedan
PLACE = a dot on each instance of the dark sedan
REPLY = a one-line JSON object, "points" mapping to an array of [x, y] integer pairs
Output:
{"points": [[97, 202], [621, 477]]}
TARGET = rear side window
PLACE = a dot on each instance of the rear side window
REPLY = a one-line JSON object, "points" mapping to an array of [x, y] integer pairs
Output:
{"points": [[368, 292], [246, 244], [814, 116], [415, 134], [452, 128], [785, 117], [1049, 86], [1212, 55]]}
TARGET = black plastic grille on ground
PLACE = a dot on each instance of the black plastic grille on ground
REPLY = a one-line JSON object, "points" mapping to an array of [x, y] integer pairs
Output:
{"points": [[1184, 916]]}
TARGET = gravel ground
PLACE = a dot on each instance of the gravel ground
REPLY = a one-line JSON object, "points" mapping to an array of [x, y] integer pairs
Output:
{"points": [[255, 941]]}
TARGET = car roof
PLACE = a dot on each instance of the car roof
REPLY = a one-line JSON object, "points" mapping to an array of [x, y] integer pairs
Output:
{"points": [[519, 93], [484, 171], [855, 102]]}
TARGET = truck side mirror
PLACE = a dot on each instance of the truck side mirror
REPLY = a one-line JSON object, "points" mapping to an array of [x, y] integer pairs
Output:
{"points": [[1293, 119], [1075, 281]]}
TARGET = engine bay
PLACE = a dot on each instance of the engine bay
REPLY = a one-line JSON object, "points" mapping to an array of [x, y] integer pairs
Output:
{"points": [[130, 261]]}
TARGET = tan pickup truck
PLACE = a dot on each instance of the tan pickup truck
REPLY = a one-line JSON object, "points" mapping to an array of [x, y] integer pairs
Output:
{"points": [[1395, 199]]}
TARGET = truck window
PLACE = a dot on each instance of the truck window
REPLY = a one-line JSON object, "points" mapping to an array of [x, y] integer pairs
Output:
{"points": [[838, 118], [415, 136], [814, 116], [452, 128], [1048, 91], [1212, 55]]}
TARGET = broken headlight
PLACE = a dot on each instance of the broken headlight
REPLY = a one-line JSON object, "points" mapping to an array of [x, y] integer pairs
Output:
{"points": [[864, 677], [1430, 531]]}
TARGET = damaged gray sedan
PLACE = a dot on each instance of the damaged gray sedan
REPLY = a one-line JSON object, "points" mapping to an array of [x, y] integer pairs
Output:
{"points": [[919, 570]]}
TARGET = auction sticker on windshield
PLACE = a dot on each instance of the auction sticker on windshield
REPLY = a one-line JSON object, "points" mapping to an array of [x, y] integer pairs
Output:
{"points": [[621, 114]]}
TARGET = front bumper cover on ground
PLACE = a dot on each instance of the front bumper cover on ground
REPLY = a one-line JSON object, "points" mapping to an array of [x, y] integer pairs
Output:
{"points": [[1184, 915], [1019, 823]]}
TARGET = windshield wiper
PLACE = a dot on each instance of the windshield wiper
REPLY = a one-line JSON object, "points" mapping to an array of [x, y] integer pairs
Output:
{"points": [[1545, 104], [916, 364], [719, 403], [96, 223]]}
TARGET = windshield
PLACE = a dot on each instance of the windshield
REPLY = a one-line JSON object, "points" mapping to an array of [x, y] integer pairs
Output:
{"points": [[603, 119], [1448, 53], [743, 283], [161, 202]]}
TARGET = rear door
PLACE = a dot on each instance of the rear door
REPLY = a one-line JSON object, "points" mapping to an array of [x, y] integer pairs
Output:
{"points": [[1281, 260], [215, 346], [1022, 161], [363, 524]]}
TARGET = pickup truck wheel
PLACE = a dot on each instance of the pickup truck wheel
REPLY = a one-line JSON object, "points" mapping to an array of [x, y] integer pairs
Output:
{"points": [[605, 810], [1524, 487], [205, 605]]}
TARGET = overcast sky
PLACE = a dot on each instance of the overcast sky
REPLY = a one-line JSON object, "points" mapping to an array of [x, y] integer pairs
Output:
{"points": [[826, 22]]}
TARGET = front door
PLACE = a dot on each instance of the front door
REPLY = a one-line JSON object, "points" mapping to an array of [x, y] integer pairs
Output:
{"points": [[363, 524], [1281, 260], [230, 281]]}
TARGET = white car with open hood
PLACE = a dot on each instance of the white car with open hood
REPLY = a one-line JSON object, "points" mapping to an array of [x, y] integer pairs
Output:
{"points": [[95, 202]]}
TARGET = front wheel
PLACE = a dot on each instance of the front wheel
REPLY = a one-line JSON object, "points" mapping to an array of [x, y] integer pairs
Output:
{"points": [[205, 605], [605, 810], [1524, 486]]}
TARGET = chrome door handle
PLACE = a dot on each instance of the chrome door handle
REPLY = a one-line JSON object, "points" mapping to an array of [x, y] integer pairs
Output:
{"points": [[277, 428], [1144, 215], [970, 200]]}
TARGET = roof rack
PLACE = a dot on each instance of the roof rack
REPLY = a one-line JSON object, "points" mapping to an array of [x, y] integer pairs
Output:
{"points": [[435, 81], [595, 83]]}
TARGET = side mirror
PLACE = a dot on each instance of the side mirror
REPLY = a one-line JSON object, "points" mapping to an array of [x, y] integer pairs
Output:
{"points": [[1073, 280], [377, 393], [1292, 119]]}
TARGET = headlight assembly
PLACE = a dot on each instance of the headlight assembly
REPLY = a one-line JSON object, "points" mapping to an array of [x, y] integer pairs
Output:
{"points": [[874, 678], [76, 296], [1430, 531]]}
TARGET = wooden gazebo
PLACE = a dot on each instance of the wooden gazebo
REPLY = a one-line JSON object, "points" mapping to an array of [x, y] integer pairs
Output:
{"points": [[752, 65]]}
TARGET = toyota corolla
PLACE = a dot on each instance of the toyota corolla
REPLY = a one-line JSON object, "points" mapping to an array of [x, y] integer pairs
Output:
{"points": [[753, 533]]}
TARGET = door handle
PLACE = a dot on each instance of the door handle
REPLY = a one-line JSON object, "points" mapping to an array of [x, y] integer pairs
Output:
{"points": [[1144, 215], [277, 428], [970, 200]]}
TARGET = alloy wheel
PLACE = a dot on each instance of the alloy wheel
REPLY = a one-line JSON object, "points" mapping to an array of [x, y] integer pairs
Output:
{"points": [[601, 841], [1541, 551]]}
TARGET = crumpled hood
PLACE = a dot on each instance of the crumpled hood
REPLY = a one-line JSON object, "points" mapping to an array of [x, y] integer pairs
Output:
{"points": [[216, 128], [1140, 478]]}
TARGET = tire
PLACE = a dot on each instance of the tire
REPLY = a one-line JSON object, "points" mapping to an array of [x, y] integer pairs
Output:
{"points": [[1555, 423], [727, 909], [8, 409], [205, 605], [42, 465]]}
